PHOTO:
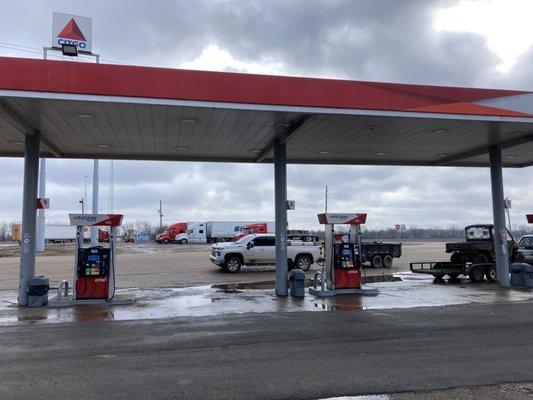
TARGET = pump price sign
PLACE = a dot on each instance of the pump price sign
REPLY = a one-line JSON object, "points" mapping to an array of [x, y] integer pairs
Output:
{"points": [[529, 218], [291, 205], [43, 203]]}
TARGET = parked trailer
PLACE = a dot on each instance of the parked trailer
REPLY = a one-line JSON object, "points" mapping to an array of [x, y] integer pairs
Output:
{"points": [[212, 231], [381, 254], [475, 271], [59, 234]]}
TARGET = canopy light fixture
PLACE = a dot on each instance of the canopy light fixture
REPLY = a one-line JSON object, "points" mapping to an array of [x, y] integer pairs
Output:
{"points": [[255, 150], [509, 156], [514, 133], [182, 148], [188, 120], [370, 128], [84, 116], [103, 146], [70, 50], [17, 142], [380, 153], [441, 155], [324, 152], [439, 130]]}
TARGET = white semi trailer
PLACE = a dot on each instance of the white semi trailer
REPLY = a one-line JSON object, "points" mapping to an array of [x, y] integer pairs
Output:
{"points": [[212, 231], [59, 234]]}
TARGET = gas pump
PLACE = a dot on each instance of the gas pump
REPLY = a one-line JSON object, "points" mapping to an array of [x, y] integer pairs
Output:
{"points": [[341, 271], [94, 270]]}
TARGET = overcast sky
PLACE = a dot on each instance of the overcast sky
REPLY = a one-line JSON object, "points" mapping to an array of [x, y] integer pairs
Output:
{"points": [[467, 43]]}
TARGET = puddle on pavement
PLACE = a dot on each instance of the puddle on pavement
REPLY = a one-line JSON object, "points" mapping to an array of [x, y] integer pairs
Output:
{"points": [[404, 291]]}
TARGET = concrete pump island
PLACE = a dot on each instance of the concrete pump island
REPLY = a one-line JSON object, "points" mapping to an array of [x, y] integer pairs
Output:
{"points": [[246, 310]]}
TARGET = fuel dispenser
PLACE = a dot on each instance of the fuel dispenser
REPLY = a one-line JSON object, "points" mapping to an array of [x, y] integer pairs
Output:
{"points": [[94, 270], [341, 271]]}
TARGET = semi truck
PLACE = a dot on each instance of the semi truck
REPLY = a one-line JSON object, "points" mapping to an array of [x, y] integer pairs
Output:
{"points": [[169, 235], [212, 231], [260, 227], [60, 234]]}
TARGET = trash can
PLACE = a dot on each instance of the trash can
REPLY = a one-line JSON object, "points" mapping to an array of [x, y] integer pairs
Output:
{"points": [[527, 272], [297, 281], [521, 275], [38, 291]]}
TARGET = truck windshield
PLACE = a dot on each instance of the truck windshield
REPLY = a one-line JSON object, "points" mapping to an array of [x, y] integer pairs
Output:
{"points": [[242, 240], [477, 233], [526, 242]]}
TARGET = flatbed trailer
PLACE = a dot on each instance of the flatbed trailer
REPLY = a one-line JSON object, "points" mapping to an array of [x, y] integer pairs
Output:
{"points": [[475, 271]]}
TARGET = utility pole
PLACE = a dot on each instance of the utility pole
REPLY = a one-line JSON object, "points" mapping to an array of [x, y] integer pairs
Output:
{"points": [[96, 181], [326, 206], [84, 195], [160, 214], [39, 243]]}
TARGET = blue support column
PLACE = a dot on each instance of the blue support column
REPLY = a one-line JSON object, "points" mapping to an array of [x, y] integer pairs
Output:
{"points": [[498, 211], [29, 215], [280, 181]]}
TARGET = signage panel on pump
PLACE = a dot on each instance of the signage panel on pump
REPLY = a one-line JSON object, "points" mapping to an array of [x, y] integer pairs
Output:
{"points": [[72, 29]]}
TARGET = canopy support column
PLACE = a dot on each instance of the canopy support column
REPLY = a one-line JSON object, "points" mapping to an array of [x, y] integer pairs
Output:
{"points": [[498, 211], [280, 182], [29, 213]]}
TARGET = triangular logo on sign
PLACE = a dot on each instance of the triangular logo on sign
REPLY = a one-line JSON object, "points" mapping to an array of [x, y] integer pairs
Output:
{"points": [[72, 31]]}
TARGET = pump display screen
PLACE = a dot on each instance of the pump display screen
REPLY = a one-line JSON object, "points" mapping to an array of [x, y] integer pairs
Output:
{"points": [[93, 261]]}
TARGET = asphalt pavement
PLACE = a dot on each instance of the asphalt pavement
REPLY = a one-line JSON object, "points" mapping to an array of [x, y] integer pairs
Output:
{"points": [[299, 355]]}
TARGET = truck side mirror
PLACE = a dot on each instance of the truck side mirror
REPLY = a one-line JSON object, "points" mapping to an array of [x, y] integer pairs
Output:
{"points": [[250, 245]]}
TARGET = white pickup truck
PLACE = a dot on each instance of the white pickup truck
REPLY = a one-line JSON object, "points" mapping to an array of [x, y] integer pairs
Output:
{"points": [[259, 249]]}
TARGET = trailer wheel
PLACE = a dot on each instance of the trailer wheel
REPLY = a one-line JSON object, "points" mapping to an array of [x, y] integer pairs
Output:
{"points": [[476, 274], [377, 261], [453, 276], [491, 274], [438, 276], [387, 261]]}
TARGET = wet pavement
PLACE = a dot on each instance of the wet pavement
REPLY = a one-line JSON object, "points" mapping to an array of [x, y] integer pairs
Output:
{"points": [[405, 290]]}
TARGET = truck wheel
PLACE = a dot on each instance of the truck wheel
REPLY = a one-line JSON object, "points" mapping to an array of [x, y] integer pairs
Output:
{"points": [[165, 241], [387, 261], [438, 276], [183, 241], [232, 265], [476, 274], [491, 274], [480, 259], [377, 261], [303, 262]]}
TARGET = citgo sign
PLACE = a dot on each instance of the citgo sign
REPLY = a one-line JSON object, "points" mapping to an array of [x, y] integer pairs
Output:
{"points": [[72, 29]]}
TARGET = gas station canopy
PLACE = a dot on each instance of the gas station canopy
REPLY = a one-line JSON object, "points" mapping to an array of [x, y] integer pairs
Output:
{"points": [[124, 112]]}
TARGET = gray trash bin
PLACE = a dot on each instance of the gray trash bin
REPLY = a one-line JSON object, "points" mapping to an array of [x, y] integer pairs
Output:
{"points": [[527, 272], [521, 273], [38, 291], [297, 280]]}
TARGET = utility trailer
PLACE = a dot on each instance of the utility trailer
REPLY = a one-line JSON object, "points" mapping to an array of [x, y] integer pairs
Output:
{"points": [[381, 254], [476, 272]]}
